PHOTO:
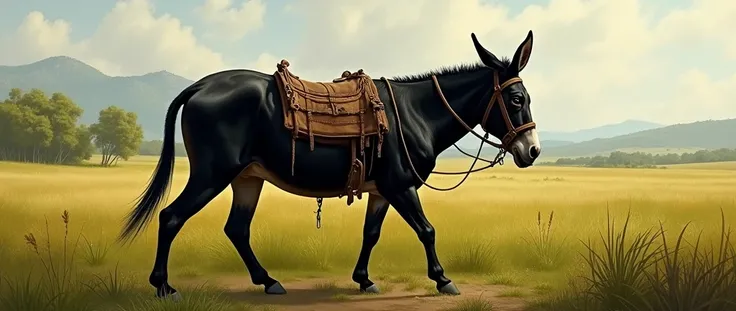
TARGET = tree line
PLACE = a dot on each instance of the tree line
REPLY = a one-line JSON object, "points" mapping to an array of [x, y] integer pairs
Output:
{"points": [[641, 159], [40, 129], [153, 147]]}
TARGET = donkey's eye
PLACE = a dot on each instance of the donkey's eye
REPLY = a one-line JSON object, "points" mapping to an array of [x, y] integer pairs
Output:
{"points": [[517, 100]]}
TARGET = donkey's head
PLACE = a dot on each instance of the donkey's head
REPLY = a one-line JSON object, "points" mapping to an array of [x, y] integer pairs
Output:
{"points": [[507, 115]]}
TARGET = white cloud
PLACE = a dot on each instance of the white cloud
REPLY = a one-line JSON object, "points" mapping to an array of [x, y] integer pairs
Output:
{"points": [[230, 22], [703, 97], [264, 63], [37, 37], [594, 61], [706, 20], [131, 39]]}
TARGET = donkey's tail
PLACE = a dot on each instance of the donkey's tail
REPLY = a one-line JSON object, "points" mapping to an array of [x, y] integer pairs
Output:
{"points": [[158, 186]]}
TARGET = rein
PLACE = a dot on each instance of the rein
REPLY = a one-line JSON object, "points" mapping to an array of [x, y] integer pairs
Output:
{"points": [[502, 147]]}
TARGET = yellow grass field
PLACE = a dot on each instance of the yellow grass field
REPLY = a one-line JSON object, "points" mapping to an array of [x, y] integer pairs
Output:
{"points": [[486, 229]]}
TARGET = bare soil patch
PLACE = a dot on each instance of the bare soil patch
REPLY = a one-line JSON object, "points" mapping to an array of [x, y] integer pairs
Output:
{"points": [[330, 295]]}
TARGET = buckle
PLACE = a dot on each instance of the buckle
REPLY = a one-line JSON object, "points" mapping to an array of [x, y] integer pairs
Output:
{"points": [[509, 137]]}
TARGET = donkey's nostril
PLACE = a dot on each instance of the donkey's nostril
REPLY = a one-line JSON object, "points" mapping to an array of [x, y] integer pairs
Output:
{"points": [[534, 152]]}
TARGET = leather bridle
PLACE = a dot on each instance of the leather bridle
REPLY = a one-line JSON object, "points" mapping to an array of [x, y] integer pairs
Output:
{"points": [[507, 139], [497, 96]]}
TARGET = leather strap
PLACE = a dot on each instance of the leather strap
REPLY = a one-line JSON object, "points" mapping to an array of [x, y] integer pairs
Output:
{"points": [[497, 96]]}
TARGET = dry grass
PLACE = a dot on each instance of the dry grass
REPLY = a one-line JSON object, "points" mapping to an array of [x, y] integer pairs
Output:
{"points": [[487, 229], [473, 304]]}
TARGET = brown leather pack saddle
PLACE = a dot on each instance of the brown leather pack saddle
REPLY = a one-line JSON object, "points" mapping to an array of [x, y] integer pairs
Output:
{"points": [[346, 111]]}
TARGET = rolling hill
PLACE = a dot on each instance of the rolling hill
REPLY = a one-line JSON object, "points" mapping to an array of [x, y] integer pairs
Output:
{"points": [[605, 131], [148, 95], [711, 134], [557, 139]]}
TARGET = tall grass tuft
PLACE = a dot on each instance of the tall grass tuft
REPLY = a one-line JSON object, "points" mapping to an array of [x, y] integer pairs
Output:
{"points": [[58, 288], [650, 273], [22, 295], [618, 274], [472, 304], [702, 279], [95, 255], [475, 256], [110, 286], [546, 250]]}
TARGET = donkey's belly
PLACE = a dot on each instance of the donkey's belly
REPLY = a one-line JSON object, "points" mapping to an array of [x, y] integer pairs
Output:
{"points": [[257, 170]]}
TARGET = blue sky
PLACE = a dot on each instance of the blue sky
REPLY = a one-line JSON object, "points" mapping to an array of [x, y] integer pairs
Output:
{"points": [[630, 59], [85, 15]]}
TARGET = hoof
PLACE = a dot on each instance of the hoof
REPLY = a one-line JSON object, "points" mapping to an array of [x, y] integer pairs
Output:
{"points": [[449, 289], [167, 292], [275, 289], [175, 297], [373, 289]]}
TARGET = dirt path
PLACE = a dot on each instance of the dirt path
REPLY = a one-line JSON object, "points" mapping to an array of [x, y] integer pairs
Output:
{"points": [[405, 295]]}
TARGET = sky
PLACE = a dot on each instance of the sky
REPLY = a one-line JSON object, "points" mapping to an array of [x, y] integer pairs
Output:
{"points": [[594, 62]]}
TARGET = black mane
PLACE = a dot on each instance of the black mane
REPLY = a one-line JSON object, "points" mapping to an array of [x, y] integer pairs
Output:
{"points": [[446, 70]]}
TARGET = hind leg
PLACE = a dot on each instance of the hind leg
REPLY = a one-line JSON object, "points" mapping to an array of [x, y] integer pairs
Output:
{"points": [[374, 215], [201, 188], [407, 204], [246, 192]]}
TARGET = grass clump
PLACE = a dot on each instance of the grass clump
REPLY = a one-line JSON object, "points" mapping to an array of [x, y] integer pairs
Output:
{"points": [[326, 285], [22, 295], [618, 274], [474, 256], [58, 287], [197, 299], [111, 286], [702, 278], [61, 286], [472, 304], [95, 254], [512, 292], [340, 297], [505, 278], [647, 272], [546, 251]]}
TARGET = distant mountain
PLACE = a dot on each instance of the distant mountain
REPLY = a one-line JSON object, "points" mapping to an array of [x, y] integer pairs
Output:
{"points": [[711, 134], [148, 95], [605, 131], [556, 143], [556, 139]]}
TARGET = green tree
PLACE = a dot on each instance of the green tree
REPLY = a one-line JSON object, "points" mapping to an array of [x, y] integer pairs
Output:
{"points": [[641, 159], [63, 115], [29, 133], [153, 147], [117, 135], [40, 129], [84, 148]]}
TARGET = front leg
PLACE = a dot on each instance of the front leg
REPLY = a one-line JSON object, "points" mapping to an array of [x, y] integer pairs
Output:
{"points": [[406, 202], [374, 215]]}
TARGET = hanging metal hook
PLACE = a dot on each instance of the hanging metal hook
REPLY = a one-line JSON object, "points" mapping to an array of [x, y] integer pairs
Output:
{"points": [[319, 213]]}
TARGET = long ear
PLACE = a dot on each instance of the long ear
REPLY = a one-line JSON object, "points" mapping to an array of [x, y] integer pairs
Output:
{"points": [[521, 57], [486, 56]]}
